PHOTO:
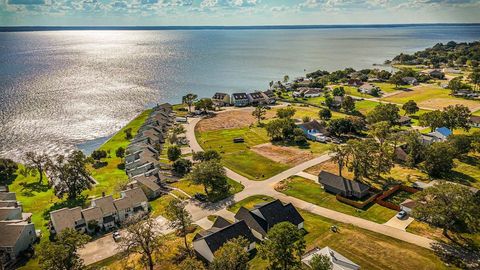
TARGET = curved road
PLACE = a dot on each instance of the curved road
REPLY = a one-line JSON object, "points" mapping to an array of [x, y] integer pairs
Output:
{"points": [[200, 212]]}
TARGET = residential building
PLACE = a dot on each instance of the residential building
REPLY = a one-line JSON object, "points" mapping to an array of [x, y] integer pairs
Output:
{"points": [[408, 205], [339, 185], [404, 121], [93, 217], [17, 230], [368, 88], [67, 218], [314, 131], [151, 185], [410, 80], [205, 243], [109, 212], [475, 121], [355, 82], [132, 202], [307, 92], [221, 99], [437, 74], [339, 262], [240, 99], [270, 97], [263, 217], [256, 98]]}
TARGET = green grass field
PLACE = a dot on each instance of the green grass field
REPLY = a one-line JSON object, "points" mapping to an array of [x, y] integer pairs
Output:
{"points": [[309, 191], [110, 177], [238, 156], [368, 249], [190, 188]]}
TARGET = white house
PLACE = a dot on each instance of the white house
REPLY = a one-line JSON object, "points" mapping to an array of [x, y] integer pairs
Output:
{"points": [[339, 262]]}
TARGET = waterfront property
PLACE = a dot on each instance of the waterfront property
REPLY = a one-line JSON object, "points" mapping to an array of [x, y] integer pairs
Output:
{"points": [[17, 232], [240, 99], [307, 92], [256, 98], [270, 97], [221, 99], [104, 213]]}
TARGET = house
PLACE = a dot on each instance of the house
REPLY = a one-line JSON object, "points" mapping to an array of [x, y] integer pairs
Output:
{"points": [[339, 185], [67, 218], [263, 217], [307, 92], [368, 88], [337, 101], [151, 185], [149, 168], [240, 99], [437, 74], [339, 262], [404, 121], [314, 131], [355, 82], [408, 206], [93, 217], [441, 133], [410, 80], [206, 243], [256, 98], [221, 99], [270, 97], [132, 202], [109, 212], [400, 154], [17, 232], [475, 121]]}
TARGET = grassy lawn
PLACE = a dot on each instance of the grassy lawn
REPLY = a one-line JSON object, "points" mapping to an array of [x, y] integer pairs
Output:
{"points": [[250, 202], [238, 156], [421, 93], [309, 191], [158, 205], [109, 177], [190, 188], [467, 171], [368, 249]]}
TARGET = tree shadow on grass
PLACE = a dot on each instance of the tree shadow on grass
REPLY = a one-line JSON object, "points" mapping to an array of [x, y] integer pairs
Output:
{"points": [[470, 160], [29, 188], [463, 253], [459, 177], [80, 201]]}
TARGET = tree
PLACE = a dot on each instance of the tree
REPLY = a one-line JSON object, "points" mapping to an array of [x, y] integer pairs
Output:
{"points": [[204, 104], [62, 253], [368, 158], [461, 143], [457, 116], [455, 84], [299, 136], [439, 159], [286, 78], [339, 91], [211, 175], [447, 206], [340, 126], [120, 152], [306, 119], [178, 129], [410, 107], [474, 78], [98, 154], [70, 175], [287, 112], [384, 112], [128, 133], [189, 100], [340, 156], [433, 119], [179, 218], [280, 129], [232, 255], [325, 114], [182, 166], [414, 148], [329, 101], [397, 79], [283, 247], [174, 153], [142, 237], [207, 155], [191, 263], [321, 262], [348, 104], [36, 162], [259, 113], [8, 168]]}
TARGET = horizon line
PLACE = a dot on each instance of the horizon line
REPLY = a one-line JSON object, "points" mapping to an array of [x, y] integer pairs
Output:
{"points": [[22, 28]]}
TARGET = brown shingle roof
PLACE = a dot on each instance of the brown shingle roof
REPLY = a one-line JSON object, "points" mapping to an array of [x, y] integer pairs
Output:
{"points": [[136, 195], [92, 213], [105, 204]]}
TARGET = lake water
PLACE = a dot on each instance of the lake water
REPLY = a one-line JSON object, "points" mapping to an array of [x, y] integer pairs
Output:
{"points": [[59, 89]]}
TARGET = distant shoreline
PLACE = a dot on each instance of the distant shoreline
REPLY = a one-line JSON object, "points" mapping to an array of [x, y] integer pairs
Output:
{"points": [[259, 27]]}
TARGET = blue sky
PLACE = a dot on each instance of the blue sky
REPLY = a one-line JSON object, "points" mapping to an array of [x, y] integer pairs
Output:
{"points": [[235, 12]]}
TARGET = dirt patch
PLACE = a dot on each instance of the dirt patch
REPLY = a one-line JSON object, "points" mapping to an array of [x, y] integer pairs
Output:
{"points": [[440, 103], [231, 119], [282, 154], [328, 166]]}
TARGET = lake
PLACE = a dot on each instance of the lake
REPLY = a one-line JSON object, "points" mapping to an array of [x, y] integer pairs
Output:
{"points": [[59, 89]]}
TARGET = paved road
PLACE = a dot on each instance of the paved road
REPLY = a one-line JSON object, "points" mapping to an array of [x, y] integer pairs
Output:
{"points": [[201, 211]]}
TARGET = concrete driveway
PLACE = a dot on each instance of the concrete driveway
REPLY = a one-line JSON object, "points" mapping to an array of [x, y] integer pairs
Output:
{"points": [[105, 247], [400, 224]]}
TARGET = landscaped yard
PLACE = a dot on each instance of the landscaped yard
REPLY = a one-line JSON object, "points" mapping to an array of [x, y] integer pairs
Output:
{"points": [[110, 176], [190, 188], [312, 192], [368, 249]]}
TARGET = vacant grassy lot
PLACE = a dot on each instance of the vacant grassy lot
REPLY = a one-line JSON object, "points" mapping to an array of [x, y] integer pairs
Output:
{"points": [[190, 188], [368, 249], [309, 191], [238, 156], [110, 176]]}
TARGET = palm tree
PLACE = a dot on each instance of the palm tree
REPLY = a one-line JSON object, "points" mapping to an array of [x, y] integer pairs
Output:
{"points": [[189, 99]]}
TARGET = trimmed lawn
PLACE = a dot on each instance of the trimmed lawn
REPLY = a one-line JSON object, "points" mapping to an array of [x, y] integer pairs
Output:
{"points": [[190, 188], [158, 205], [389, 88], [309, 191], [421, 93], [250, 202], [467, 171], [238, 156], [110, 176]]}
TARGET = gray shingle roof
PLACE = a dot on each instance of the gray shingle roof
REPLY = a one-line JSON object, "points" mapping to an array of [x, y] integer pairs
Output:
{"points": [[338, 182]]}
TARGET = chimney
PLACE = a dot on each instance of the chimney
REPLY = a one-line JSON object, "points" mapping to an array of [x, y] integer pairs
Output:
{"points": [[103, 193]]}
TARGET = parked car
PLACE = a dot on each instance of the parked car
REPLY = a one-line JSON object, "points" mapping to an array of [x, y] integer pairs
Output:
{"points": [[402, 214], [117, 236], [201, 197]]}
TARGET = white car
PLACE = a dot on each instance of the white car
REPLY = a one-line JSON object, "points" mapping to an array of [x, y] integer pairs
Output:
{"points": [[117, 236], [402, 214]]}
